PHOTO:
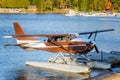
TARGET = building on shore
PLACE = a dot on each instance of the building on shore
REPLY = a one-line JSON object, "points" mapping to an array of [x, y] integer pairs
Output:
{"points": [[32, 9]]}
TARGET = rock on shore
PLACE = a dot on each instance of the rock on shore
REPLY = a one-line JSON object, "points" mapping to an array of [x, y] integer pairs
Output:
{"points": [[114, 76], [107, 76]]}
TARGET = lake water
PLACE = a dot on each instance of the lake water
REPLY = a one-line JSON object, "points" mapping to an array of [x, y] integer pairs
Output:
{"points": [[12, 59]]}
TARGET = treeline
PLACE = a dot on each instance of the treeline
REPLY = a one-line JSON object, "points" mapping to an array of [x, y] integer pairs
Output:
{"points": [[51, 5]]}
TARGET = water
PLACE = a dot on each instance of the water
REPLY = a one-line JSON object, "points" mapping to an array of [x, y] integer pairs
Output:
{"points": [[12, 59]]}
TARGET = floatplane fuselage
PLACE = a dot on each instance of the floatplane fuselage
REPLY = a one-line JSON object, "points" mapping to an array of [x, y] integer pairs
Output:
{"points": [[56, 43], [64, 43]]}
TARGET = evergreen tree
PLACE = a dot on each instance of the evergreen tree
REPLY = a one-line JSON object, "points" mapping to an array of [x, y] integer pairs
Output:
{"points": [[4, 3], [61, 4], [91, 5], [31, 2], [15, 3], [48, 5], [75, 4], [11, 3], [23, 3], [55, 4], [81, 5], [115, 4], [101, 5], [68, 3]]}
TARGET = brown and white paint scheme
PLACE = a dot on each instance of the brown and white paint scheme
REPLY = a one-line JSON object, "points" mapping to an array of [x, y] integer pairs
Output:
{"points": [[64, 43]]}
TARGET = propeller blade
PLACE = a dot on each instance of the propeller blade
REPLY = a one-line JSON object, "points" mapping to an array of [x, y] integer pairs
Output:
{"points": [[96, 49], [95, 35], [90, 35]]}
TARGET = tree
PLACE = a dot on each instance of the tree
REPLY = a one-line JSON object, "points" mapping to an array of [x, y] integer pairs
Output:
{"points": [[0, 3], [23, 3], [4, 3], [115, 4], [91, 5], [48, 5], [83, 5], [101, 5], [31, 2], [15, 3], [108, 5], [68, 3], [75, 4], [60, 2], [37, 3]]}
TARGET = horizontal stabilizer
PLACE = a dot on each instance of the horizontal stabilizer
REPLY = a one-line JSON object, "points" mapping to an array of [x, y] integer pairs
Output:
{"points": [[12, 44], [7, 36], [97, 31], [16, 44]]}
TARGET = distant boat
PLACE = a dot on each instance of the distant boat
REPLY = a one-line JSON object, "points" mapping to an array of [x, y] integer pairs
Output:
{"points": [[95, 14], [86, 14], [71, 13]]}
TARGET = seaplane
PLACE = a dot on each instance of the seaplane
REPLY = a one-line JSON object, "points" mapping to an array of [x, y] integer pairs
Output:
{"points": [[63, 45]]}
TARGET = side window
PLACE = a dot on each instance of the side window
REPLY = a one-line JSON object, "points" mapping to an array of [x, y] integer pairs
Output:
{"points": [[61, 39], [58, 39], [72, 36]]}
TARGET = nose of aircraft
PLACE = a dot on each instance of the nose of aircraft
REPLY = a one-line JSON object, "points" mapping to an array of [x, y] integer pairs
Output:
{"points": [[90, 43], [93, 44]]}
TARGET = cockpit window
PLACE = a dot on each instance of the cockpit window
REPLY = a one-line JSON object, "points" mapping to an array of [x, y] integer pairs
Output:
{"points": [[58, 39], [73, 36]]}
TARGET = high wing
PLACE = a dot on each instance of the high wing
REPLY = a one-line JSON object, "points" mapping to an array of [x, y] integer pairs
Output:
{"points": [[97, 31], [37, 35], [54, 42], [20, 34], [57, 35]]}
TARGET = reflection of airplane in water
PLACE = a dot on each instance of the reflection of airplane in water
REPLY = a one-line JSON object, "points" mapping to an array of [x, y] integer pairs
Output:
{"points": [[57, 43], [46, 74]]}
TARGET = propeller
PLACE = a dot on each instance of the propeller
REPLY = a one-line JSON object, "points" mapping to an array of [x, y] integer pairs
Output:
{"points": [[96, 48], [95, 35], [95, 41]]}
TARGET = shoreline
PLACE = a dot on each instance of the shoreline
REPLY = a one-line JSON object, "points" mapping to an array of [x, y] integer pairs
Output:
{"points": [[66, 12], [84, 14], [30, 11]]}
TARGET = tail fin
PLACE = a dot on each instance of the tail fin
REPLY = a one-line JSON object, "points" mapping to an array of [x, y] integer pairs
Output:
{"points": [[19, 31]]}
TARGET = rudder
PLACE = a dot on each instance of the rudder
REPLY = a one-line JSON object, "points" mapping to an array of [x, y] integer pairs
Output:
{"points": [[19, 31]]}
